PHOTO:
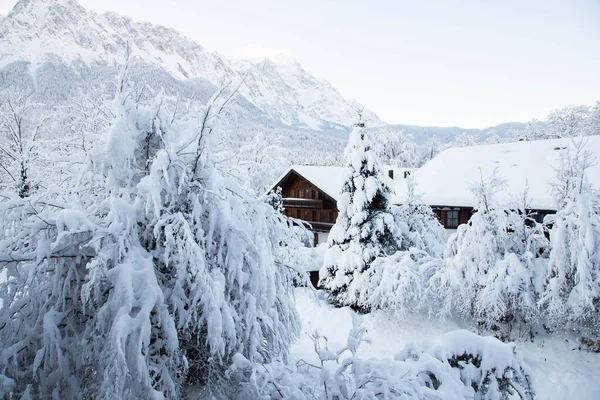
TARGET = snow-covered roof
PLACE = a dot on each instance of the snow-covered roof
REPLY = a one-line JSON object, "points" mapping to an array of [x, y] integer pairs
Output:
{"points": [[331, 179], [446, 180]]}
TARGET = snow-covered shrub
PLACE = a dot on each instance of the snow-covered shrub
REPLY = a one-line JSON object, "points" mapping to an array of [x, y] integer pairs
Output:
{"points": [[365, 228], [571, 298], [398, 283], [421, 229], [489, 368], [492, 265], [463, 366], [149, 275]]}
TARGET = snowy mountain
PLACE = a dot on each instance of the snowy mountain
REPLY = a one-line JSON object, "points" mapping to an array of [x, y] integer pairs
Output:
{"points": [[58, 38], [448, 134], [283, 78]]}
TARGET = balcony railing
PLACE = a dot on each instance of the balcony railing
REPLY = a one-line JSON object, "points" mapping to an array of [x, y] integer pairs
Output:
{"points": [[320, 226], [303, 203]]}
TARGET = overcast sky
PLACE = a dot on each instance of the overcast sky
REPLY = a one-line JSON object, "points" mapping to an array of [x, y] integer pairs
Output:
{"points": [[447, 63]]}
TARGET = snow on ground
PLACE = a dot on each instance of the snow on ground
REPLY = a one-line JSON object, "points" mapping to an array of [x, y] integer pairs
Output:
{"points": [[560, 371]]}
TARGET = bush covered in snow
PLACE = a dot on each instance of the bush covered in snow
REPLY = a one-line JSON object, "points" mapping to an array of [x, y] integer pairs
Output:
{"points": [[421, 229], [494, 265], [150, 275], [398, 283], [488, 368], [463, 366]]}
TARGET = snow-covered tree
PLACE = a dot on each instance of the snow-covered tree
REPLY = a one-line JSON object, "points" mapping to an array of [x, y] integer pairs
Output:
{"points": [[365, 227], [421, 227], [492, 264], [150, 275], [533, 130], [491, 137], [399, 282], [465, 140], [570, 121], [20, 130], [395, 147], [431, 148], [594, 121], [261, 159], [572, 294]]}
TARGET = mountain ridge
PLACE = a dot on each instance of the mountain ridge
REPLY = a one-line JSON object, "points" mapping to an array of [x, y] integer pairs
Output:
{"points": [[447, 134], [41, 31]]}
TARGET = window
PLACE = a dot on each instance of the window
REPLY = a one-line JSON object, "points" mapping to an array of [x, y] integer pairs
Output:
{"points": [[538, 216], [406, 174], [391, 173], [452, 219]]}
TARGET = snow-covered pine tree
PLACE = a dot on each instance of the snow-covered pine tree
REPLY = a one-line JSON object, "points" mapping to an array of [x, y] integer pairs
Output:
{"points": [[365, 227], [491, 262], [150, 276], [571, 298], [399, 283]]}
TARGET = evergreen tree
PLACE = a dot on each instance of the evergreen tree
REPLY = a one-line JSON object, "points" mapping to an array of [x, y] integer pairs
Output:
{"points": [[365, 227]]}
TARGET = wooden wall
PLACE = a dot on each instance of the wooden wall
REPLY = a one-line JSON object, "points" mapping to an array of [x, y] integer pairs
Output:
{"points": [[305, 201]]}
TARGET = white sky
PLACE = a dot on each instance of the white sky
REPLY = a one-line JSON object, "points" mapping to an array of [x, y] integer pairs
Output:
{"points": [[466, 63]]}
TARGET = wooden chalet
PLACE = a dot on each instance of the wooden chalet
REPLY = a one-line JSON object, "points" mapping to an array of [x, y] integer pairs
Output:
{"points": [[307, 200]]}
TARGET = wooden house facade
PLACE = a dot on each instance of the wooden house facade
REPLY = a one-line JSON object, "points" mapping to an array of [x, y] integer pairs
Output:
{"points": [[452, 217], [303, 200]]}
